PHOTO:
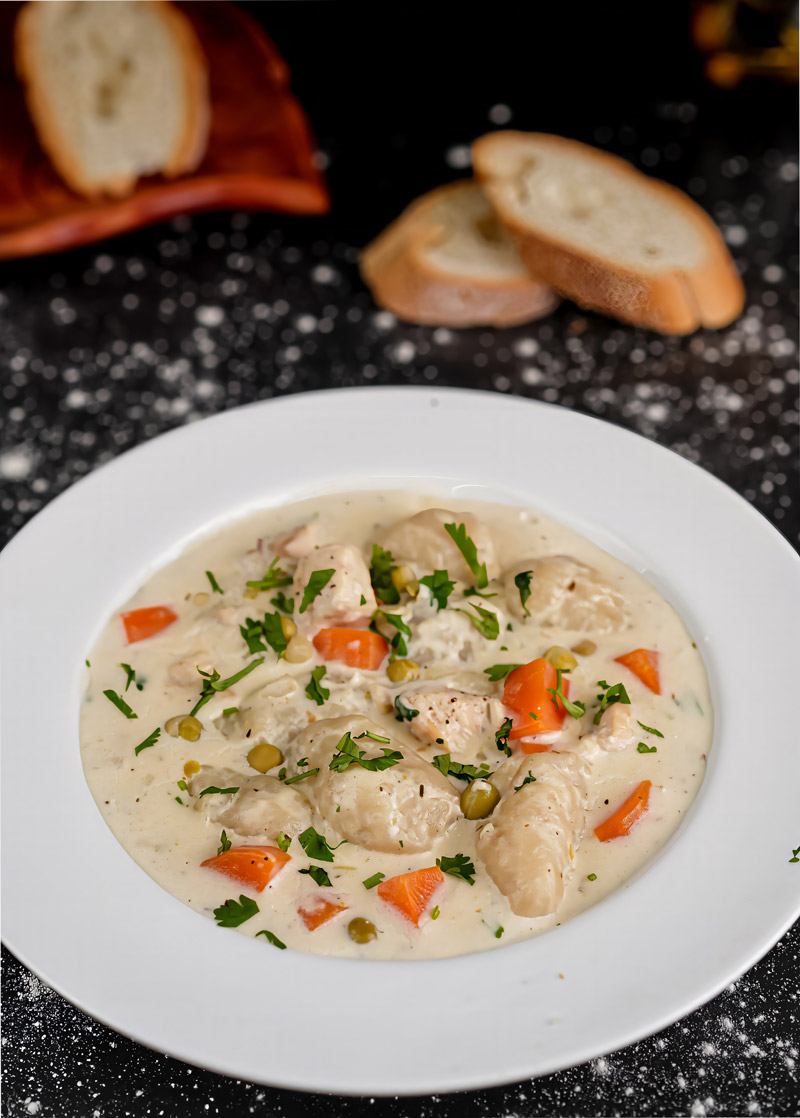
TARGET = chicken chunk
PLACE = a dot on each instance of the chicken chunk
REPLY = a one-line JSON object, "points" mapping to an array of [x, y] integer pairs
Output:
{"points": [[454, 717], [411, 803], [184, 672], [423, 541], [269, 713], [527, 842], [615, 731], [566, 594], [299, 543], [340, 600], [261, 808]]}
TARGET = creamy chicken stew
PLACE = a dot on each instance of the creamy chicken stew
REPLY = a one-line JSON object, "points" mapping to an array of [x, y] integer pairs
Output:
{"points": [[368, 726]]}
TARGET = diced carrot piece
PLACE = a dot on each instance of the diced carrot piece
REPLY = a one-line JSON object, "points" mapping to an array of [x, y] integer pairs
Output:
{"points": [[526, 693], [142, 623], [319, 911], [535, 746], [410, 893], [643, 664], [253, 866], [358, 648], [623, 819]]}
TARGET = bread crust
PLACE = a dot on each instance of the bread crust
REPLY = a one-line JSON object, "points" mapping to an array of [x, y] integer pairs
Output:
{"points": [[673, 301], [191, 146], [404, 281]]}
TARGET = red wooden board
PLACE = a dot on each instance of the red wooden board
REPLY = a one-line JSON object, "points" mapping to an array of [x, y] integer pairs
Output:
{"points": [[259, 152]]}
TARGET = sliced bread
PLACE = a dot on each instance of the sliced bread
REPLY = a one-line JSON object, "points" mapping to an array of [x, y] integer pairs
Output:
{"points": [[447, 262], [608, 237], [116, 89]]}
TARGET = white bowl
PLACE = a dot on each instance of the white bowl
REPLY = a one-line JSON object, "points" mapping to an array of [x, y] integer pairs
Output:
{"points": [[81, 914]]}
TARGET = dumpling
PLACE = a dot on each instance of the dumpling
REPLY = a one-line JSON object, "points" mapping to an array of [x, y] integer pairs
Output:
{"points": [[566, 594], [423, 541], [347, 597], [262, 807]]}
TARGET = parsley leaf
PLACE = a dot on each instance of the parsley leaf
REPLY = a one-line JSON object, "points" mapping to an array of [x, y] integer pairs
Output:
{"points": [[486, 621], [371, 882], [151, 739], [373, 737], [576, 709], [274, 578], [315, 585], [212, 683], [318, 874], [440, 586], [399, 646], [301, 776], [215, 586], [212, 789], [649, 729], [643, 748], [435, 913], [522, 581], [795, 857], [231, 914], [472, 592], [315, 690], [499, 671], [403, 713], [610, 695], [464, 543], [270, 629], [529, 779], [131, 674], [347, 753], [120, 704], [317, 846], [280, 601], [228, 711], [448, 767], [591, 877], [458, 866], [501, 737], [271, 938], [224, 844], [283, 842], [380, 575]]}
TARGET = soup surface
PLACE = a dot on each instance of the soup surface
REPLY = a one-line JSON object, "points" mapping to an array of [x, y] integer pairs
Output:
{"points": [[364, 725]]}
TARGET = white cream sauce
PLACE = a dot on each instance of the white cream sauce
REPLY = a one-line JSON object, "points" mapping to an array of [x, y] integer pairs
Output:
{"points": [[168, 839]]}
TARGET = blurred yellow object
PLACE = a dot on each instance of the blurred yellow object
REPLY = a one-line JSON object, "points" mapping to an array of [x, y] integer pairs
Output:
{"points": [[747, 38]]}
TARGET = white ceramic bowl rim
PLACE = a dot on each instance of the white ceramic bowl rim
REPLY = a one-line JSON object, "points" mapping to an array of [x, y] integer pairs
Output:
{"points": [[82, 915]]}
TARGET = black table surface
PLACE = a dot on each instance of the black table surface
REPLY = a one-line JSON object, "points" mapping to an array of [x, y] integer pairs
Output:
{"points": [[108, 346]]}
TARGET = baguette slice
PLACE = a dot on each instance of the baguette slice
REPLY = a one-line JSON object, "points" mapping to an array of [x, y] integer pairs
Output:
{"points": [[117, 89], [599, 231], [447, 262]]}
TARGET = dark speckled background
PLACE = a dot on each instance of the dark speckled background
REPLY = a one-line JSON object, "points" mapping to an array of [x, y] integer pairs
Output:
{"points": [[108, 346]]}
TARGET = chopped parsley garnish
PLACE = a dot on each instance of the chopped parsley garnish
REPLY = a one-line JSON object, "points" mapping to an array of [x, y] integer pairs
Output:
{"points": [[362, 601], [131, 674], [215, 586], [274, 578], [283, 841], [318, 874], [795, 857], [224, 844], [315, 585], [591, 877], [522, 581], [315, 690], [380, 575], [485, 622], [86, 662], [448, 767], [373, 737], [399, 646], [347, 754], [271, 938], [472, 592], [501, 737], [440, 586], [317, 846], [575, 709], [529, 779], [151, 739], [179, 800], [371, 882], [499, 671], [643, 748], [213, 790], [499, 933], [212, 683], [280, 601], [465, 544], [270, 629], [458, 866], [120, 704], [228, 711], [300, 776], [402, 712], [609, 696], [231, 914], [435, 913], [184, 787], [649, 729]]}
